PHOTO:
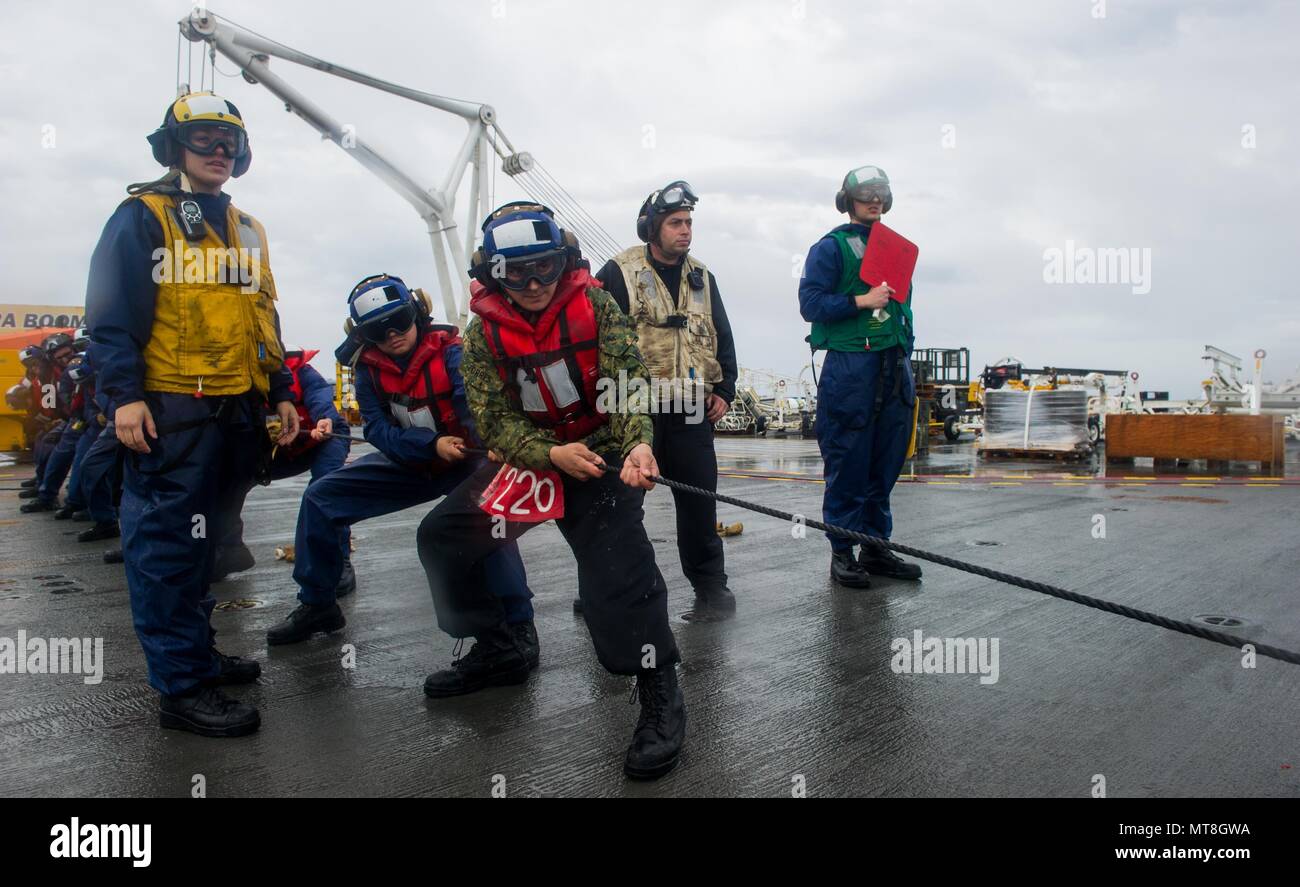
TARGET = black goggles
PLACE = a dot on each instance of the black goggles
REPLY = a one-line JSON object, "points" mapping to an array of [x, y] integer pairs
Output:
{"points": [[517, 275], [675, 196], [376, 331], [205, 138]]}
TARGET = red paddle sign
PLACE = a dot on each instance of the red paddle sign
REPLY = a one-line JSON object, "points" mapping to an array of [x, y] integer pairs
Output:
{"points": [[889, 258], [524, 495]]}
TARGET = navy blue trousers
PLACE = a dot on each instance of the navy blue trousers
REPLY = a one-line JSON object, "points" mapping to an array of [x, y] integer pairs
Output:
{"points": [[170, 517], [864, 423], [42, 447], [101, 475], [373, 486], [325, 458], [59, 464], [76, 495]]}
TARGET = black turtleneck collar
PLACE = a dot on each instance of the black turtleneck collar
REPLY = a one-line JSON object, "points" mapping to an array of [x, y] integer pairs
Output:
{"points": [[662, 266]]}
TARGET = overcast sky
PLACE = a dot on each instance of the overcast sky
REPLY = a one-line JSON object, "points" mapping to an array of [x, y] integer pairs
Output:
{"points": [[1007, 128]]}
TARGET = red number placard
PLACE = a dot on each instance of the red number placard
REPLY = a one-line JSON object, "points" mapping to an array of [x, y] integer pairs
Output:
{"points": [[524, 495]]}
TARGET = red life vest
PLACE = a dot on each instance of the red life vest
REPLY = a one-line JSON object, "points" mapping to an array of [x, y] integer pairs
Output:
{"points": [[294, 361], [549, 367], [420, 395]]}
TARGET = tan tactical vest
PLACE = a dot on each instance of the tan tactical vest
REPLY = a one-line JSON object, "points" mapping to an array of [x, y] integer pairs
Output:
{"points": [[688, 351]]}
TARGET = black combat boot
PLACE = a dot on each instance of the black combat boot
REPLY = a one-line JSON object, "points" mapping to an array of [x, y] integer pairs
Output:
{"points": [[235, 670], [29, 484], [494, 660], [82, 516], [231, 559], [715, 603], [525, 634], [208, 712], [29, 493], [880, 561], [114, 556], [105, 529], [848, 572], [661, 729], [65, 513], [347, 580], [304, 621], [37, 504]]}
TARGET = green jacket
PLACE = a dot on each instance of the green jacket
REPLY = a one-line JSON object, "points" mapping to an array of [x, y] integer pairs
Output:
{"points": [[854, 334], [511, 433]]}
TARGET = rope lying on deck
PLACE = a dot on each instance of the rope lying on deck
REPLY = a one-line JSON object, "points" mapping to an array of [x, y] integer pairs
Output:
{"points": [[1156, 619], [1178, 625]]}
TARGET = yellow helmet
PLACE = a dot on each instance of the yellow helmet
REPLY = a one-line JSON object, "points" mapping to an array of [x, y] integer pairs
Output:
{"points": [[202, 122]]}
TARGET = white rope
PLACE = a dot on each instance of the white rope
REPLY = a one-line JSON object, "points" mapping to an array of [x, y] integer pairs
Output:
{"points": [[591, 220]]}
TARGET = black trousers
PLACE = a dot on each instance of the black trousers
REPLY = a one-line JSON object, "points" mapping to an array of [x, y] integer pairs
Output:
{"points": [[684, 451], [625, 600]]}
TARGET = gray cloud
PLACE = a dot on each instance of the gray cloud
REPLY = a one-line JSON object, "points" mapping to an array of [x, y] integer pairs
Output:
{"points": [[1124, 131]]}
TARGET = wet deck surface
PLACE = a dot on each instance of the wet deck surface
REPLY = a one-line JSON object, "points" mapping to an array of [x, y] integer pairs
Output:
{"points": [[798, 685]]}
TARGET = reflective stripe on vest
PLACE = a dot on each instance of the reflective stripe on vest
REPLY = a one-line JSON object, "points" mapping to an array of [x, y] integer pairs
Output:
{"points": [[421, 395], [549, 369]]}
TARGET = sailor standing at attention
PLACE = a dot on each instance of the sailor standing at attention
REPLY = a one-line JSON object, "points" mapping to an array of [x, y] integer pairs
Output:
{"points": [[188, 362], [866, 391]]}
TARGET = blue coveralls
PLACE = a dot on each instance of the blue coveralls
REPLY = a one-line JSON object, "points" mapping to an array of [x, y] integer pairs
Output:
{"points": [[77, 499], [170, 510], [90, 412], [41, 447], [62, 456], [101, 468], [395, 478], [864, 409], [101, 475], [326, 457]]}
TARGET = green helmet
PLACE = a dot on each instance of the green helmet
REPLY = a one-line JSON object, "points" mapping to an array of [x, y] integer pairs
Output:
{"points": [[862, 184]]}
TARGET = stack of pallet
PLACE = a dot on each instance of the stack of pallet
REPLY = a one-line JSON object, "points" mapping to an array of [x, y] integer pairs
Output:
{"points": [[1035, 423]]}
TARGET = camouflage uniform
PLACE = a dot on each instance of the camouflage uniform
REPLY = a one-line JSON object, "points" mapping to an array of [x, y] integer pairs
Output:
{"points": [[624, 596], [507, 430]]}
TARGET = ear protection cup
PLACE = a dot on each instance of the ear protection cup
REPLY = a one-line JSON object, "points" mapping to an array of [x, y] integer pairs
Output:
{"points": [[572, 250], [478, 267], [241, 165], [422, 301], [161, 146], [643, 222]]}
